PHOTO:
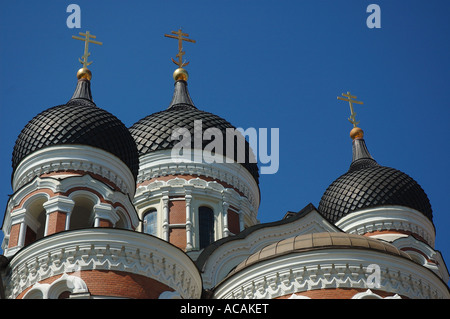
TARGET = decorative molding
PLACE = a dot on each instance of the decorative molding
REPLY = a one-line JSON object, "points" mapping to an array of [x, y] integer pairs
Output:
{"points": [[388, 218], [294, 296], [188, 199], [74, 284], [104, 211], [165, 224], [229, 254], [160, 163], [103, 249], [195, 187], [47, 187], [424, 255], [59, 203], [328, 269], [368, 294], [78, 158]]}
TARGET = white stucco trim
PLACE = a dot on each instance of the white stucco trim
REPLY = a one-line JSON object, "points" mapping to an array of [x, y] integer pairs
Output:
{"points": [[74, 157], [229, 254], [328, 269], [381, 218], [161, 163], [103, 249]]}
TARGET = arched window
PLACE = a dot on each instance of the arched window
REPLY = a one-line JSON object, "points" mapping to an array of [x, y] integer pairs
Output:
{"points": [[82, 214], [35, 210], [206, 226], [150, 222]]}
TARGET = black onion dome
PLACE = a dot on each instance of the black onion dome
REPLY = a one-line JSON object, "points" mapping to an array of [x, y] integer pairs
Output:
{"points": [[368, 184], [154, 132], [79, 122]]}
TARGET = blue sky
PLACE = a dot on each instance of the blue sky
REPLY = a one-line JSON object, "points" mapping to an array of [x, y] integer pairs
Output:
{"points": [[261, 64]]}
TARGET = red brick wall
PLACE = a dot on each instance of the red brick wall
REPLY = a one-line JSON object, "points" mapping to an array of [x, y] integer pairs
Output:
{"points": [[14, 235], [104, 223], [177, 212], [116, 284], [56, 222], [233, 222], [177, 237]]}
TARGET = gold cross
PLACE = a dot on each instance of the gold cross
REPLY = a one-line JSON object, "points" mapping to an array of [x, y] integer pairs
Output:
{"points": [[349, 98], [180, 39], [87, 39]]}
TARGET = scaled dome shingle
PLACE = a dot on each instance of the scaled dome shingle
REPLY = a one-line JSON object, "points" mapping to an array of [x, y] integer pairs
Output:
{"points": [[154, 132], [80, 122], [368, 184]]}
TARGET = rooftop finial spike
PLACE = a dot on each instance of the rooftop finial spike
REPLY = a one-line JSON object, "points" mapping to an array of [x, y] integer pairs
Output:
{"points": [[356, 132], [180, 73], [84, 72]]}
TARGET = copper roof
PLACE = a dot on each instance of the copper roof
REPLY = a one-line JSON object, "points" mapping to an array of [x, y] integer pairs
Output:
{"points": [[319, 241]]}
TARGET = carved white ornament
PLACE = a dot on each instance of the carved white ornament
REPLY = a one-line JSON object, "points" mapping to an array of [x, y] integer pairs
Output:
{"points": [[103, 249], [328, 269], [160, 163], [78, 158]]}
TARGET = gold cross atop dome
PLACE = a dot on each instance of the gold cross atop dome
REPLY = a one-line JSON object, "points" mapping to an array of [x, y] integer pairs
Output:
{"points": [[87, 39], [356, 132], [180, 36], [349, 98]]}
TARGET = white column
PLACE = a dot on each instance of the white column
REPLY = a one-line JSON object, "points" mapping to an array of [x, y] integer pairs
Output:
{"points": [[188, 199], [226, 231], [241, 220], [18, 217], [22, 232], [104, 211], [165, 225], [24, 220]]}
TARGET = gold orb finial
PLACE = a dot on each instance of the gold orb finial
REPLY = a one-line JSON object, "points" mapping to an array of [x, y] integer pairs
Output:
{"points": [[84, 73], [180, 74], [356, 133]]}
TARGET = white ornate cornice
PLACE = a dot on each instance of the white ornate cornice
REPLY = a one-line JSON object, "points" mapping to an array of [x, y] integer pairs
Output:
{"points": [[390, 218], [328, 269], [160, 163], [369, 294], [77, 158], [74, 284], [103, 249], [195, 187]]}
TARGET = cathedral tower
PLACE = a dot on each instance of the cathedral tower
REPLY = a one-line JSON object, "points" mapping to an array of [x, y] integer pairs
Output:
{"points": [[70, 225], [196, 200]]}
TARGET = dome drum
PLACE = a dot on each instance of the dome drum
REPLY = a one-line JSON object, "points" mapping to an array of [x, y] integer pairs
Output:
{"points": [[75, 158]]}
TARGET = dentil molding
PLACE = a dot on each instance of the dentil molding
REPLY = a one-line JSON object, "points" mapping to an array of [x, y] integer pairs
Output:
{"points": [[328, 269], [103, 249]]}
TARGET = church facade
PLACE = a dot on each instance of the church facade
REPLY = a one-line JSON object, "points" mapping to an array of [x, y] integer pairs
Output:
{"points": [[100, 210]]}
